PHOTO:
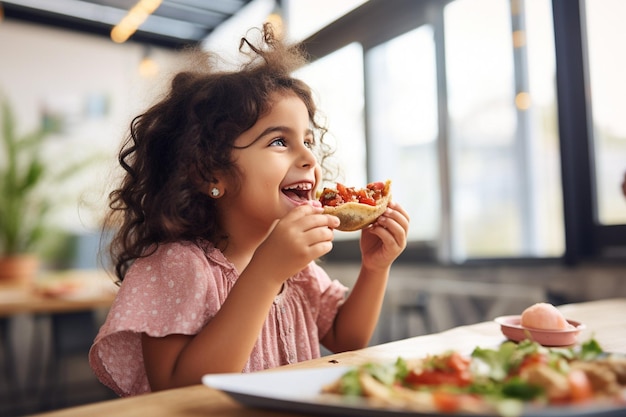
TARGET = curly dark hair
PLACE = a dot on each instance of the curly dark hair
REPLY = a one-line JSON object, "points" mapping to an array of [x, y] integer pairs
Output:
{"points": [[176, 147]]}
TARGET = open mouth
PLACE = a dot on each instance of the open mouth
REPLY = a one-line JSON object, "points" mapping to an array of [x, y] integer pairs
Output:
{"points": [[300, 192]]}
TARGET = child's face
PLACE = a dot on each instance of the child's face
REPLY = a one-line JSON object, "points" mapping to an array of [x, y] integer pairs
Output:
{"points": [[279, 169]]}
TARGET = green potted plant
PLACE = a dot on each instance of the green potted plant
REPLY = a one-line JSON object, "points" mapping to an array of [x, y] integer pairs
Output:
{"points": [[23, 206], [21, 216]]}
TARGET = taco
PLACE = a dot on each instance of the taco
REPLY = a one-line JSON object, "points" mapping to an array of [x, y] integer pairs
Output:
{"points": [[356, 208]]}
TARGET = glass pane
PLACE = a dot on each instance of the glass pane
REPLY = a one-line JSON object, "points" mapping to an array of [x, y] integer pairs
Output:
{"points": [[344, 117], [506, 191], [402, 102], [541, 132], [306, 17], [606, 37]]}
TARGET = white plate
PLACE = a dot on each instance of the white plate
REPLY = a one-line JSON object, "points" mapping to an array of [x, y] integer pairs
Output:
{"points": [[299, 391]]}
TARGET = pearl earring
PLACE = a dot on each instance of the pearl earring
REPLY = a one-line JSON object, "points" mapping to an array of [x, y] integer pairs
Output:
{"points": [[215, 192]]}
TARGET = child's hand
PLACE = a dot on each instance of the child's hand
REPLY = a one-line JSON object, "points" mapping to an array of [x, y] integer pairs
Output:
{"points": [[303, 235], [385, 240]]}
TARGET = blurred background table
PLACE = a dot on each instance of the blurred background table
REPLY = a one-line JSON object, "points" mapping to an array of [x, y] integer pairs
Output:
{"points": [[43, 330]]}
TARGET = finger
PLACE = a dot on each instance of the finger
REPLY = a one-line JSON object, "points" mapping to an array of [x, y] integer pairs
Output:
{"points": [[313, 221], [320, 249], [397, 207], [397, 218], [387, 238], [306, 209], [389, 217], [332, 221], [319, 234], [313, 217], [392, 231], [398, 214]]}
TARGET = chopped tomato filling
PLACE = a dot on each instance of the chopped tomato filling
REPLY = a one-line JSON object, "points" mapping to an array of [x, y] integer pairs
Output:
{"points": [[368, 195]]}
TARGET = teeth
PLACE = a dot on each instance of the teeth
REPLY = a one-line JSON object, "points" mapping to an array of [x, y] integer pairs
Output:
{"points": [[301, 186]]}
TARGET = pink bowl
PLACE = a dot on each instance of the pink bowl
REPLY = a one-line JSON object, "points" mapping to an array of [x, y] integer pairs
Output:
{"points": [[513, 330]]}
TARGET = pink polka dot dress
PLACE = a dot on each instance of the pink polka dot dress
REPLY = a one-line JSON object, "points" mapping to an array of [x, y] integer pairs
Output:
{"points": [[180, 287]]}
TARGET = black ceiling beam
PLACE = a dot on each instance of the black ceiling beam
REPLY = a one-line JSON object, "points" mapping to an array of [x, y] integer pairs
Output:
{"points": [[371, 24], [12, 11]]}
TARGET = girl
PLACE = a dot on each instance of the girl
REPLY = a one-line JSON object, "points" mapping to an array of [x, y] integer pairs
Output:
{"points": [[220, 232]]}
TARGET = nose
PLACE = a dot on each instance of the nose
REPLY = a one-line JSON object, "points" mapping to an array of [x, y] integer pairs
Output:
{"points": [[307, 157]]}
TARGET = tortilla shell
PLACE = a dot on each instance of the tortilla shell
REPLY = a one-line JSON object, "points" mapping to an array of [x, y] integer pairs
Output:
{"points": [[355, 216]]}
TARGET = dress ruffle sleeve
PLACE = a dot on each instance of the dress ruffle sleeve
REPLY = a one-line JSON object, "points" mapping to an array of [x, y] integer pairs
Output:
{"points": [[169, 292]]}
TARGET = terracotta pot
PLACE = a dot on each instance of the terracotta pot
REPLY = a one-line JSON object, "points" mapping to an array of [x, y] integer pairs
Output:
{"points": [[18, 270]]}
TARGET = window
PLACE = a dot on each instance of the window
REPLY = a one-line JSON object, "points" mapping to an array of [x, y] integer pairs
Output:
{"points": [[606, 36], [403, 126], [497, 120], [344, 117], [306, 17], [502, 117]]}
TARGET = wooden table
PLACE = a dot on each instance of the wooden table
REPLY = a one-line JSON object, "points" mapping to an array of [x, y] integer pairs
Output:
{"points": [[26, 302], [605, 320], [93, 290]]}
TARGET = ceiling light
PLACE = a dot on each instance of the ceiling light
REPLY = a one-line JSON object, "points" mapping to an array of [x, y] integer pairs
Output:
{"points": [[133, 19], [111, 16]]}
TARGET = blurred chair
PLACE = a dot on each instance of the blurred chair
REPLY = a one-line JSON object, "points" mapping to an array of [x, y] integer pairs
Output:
{"points": [[71, 337], [6, 360], [9, 391], [439, 304]]}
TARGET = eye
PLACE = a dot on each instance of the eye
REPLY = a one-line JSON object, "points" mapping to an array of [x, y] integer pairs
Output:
{"points": [[309, 143], [279, 142]]}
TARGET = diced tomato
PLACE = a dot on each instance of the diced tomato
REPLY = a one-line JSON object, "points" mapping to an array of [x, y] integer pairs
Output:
{"points": [[533, 359], [579, 386], [452, 369], [345, 192], [330, 198], [377, 189], [446, 402], [376, 186], [364, 198], [457, 362]]}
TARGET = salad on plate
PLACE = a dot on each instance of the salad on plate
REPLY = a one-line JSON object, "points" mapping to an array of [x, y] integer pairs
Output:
{"points": [[507, 381]]}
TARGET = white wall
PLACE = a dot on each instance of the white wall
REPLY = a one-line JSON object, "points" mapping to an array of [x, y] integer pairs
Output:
{"points": [[43, 67]]}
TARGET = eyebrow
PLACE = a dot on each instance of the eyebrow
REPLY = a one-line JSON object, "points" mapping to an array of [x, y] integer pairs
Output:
{"points": [[270, 130]]}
